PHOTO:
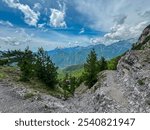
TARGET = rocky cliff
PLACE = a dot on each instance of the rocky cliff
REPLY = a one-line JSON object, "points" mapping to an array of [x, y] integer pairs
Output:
{"points": [[134, 75], [124, 90]]}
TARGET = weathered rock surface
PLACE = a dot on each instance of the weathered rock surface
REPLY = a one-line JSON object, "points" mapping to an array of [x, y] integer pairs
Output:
{"points": [[124, 90]]}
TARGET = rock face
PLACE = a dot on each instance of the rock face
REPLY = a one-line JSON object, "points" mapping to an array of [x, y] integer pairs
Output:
{"points": [[134, 75], [145, 34], [124, 90]]}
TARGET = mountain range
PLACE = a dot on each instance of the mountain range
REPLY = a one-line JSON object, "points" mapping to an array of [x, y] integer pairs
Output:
{"points": [[64, 57]]}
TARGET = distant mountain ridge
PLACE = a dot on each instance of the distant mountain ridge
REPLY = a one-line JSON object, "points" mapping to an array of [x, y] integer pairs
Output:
{"points": [[77, 55]]}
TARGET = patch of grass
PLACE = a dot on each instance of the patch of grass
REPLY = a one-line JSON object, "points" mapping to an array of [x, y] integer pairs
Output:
{"points": [[28, 95], [75, 73], [74, 67], [9, 72], [2, 75], [37, 85], [13, 74]]}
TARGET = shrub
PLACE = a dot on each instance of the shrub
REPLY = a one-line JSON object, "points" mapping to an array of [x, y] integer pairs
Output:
{"points": [[112, 64]]}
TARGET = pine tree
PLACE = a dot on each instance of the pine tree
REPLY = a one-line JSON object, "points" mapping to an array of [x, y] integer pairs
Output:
{"points": [[73, 84], [26, 65], [65, 86], [45, 69], [91, 69], [102, 64]]}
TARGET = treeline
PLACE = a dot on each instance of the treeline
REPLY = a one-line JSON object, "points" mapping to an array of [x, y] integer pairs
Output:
{"points": [[39, 65], [32, 65]]}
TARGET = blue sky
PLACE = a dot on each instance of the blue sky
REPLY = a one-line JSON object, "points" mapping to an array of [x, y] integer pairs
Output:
{"points": [[67, 23]]}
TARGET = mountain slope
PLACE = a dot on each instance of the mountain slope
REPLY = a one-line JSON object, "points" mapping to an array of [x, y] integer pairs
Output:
{"points": [[77, 55]]}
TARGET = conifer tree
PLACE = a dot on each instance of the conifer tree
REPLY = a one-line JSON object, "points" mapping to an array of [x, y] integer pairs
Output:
{"points": [[45, 68], [91, 69], [102, 64], [26, 65]]}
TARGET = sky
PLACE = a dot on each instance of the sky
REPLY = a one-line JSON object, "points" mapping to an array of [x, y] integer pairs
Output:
{"points": [[66, 23]]}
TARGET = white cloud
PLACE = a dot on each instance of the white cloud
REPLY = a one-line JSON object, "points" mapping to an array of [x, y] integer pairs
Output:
{"points": [[121, 20], [104, 14], [16, 38], [82, 31], [126, 32], [121, 32], [41, 25], [37, 6], [57, 17], [6, 23], [31, 17]]}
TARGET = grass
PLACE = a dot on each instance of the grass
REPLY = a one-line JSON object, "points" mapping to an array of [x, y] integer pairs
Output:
{"points": [[37, 85], [13, 74], [2, 75], [9, 72], [74, 72]]}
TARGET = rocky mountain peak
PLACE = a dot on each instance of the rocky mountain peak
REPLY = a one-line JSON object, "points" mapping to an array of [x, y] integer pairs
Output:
{"points": [[144, 40], [144, 35]]}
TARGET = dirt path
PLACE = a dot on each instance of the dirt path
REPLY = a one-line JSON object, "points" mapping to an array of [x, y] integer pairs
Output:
{"points": [[114, 89]]}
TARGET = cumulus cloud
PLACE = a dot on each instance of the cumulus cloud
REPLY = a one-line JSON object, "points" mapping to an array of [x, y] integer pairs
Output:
{"points": [[104, 14], [120, 20], [121, 32], [31, 17], [57, 17]]}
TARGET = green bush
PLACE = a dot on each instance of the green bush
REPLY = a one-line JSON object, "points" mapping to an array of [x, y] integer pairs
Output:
{"points": [[112, 64]]}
